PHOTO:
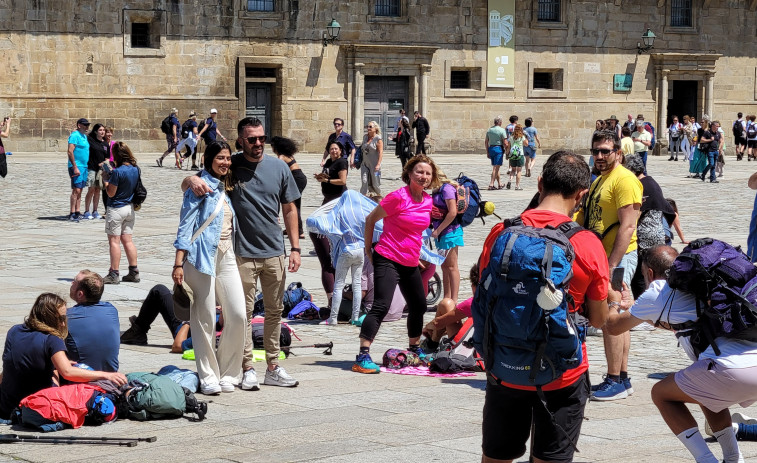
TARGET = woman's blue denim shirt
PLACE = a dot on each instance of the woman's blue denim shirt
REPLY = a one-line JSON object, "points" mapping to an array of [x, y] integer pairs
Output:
{"points": [[194, 211]]}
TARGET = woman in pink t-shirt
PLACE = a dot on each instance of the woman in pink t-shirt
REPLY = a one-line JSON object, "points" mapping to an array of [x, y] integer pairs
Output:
{"points": [[406, 213]]}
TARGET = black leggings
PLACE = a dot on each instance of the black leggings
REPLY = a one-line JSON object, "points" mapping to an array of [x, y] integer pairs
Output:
{"points": [[387, 274], [158, 301], [323, 251], [301, 181]]}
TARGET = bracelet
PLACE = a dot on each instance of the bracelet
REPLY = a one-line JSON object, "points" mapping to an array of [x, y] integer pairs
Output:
{"points": [[296, 250], [178, 266], [614, 304]]}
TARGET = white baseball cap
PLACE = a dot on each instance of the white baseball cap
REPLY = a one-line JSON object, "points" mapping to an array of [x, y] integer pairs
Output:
{"points": [[214, 111]]}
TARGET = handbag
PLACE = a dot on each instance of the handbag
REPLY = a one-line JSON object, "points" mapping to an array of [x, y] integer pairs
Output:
{"points": [[358, 160], [140, 192]]}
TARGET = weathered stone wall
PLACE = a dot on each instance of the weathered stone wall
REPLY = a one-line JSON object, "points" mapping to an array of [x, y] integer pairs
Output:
{"points": [[60, 65]]}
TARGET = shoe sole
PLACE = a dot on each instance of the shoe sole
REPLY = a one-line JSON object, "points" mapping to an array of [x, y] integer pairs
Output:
{"points": [[227, 389], [359, 369], [218, 392], [249, 388], [296, 383], [620, 396]]}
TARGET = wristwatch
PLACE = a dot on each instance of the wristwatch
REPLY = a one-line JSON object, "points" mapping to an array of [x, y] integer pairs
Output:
{"points": [[298, 250]]}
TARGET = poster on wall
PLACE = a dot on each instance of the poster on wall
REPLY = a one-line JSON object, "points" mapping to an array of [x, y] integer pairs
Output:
{"points": [[500, 57]]}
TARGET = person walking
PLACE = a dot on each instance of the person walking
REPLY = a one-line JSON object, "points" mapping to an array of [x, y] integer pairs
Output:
{"points": [[373, 155], [406, 214], [533, 143], [120, 184], [98, 155], [264, 185], [188, 139], [348, 152], [285, 149], [642, 140], [517, 159], [210, 132], [172, 139], [712, 142], [739, 135], [422, 130], [205, 259], [402, 141], [496, 145], [5, 130], [78, 158]]}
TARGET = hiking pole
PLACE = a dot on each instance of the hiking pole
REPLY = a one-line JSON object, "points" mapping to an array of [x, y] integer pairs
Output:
{"points": [[329, 345], [125, 442]]}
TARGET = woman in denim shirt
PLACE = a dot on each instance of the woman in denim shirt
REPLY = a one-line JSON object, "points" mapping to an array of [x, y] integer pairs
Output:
{"points": [[208, 265]]}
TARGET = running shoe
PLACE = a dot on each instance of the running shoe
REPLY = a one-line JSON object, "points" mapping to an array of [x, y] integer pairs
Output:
{"points": [[364, 364]]}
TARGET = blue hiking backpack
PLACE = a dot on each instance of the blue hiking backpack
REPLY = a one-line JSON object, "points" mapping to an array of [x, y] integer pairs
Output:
{"points": [[293, 295], [524, 328], [724, 283], [474, 200]]}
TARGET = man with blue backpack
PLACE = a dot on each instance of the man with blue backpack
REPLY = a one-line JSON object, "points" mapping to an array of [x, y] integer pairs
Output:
{"points": [[538, 272]]}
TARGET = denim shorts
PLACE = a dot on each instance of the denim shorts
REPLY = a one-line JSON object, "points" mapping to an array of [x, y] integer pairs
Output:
{"points": [[629, 263], [529, 152]]}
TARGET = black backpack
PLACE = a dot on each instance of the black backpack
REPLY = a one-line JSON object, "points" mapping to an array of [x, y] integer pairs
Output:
{"points": [[165, 126], [186, 128], [201, 126], [738, 129], [140, 192], [751, 130]]}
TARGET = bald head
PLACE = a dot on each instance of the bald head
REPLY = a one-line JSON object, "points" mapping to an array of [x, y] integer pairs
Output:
{"points": [[657, 261]]}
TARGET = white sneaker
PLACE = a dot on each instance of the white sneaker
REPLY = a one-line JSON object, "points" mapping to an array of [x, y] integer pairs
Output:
{"points": [[279, 377], [210, 389], [226, 386], [739, 417], [250, 381], [328, 321]]}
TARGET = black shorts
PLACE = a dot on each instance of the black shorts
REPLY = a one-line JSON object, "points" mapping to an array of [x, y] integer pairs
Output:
{"points": [[507, 421], [752, 143], [741, 141]]}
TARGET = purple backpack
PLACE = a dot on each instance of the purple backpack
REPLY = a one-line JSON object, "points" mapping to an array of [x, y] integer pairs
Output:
{"points": [[724, 282]]}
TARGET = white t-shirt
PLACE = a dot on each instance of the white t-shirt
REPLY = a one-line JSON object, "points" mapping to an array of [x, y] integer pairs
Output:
{"points": [[660, 302]]}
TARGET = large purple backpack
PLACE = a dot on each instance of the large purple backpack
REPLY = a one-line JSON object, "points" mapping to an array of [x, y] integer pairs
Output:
{"points": [[724, 282]]}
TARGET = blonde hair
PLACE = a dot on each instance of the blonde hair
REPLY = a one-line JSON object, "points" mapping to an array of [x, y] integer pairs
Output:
{"points": [[518, 131], [377, 126], [417, 159]]}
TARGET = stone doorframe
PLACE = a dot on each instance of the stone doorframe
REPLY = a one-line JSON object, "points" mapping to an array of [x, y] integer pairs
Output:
{"points": [[386, 61], [683, 66]]}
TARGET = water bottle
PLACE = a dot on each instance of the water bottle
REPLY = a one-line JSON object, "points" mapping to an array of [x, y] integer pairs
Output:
{"points": [[377, 174], [84, 366], [8, 153]]}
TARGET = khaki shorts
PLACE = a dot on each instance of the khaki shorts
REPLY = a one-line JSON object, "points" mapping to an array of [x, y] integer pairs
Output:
{"points": [[95, 179], [120, 220]]}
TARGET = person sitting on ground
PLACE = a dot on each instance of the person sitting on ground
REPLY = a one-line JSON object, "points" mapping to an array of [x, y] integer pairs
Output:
{"points": [[714, 382], [158, 301], [676, 223], [35, 357], [449, 317], [93, 326]]}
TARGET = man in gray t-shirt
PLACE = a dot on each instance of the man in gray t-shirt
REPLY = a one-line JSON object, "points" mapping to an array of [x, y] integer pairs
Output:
{"points": [[262, 185]]}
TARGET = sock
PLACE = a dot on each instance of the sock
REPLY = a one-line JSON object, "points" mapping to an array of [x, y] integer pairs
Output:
{"points": [[113, 271], [414, 347], [623, 375], [747, 432], [365, 350], [694, 442], [433, 345], [730, 446], [133, 268], [615, 378]]}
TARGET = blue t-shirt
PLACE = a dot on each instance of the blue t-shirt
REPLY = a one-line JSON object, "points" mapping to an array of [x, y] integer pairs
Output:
{"points": [[531, 135], [27, 365], [175, 122], [81, 149], [210, 133], [94, 335], [125, 178]]}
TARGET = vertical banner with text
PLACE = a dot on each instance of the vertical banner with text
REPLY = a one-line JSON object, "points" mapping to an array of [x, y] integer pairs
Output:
{"points": [[500, 66]]}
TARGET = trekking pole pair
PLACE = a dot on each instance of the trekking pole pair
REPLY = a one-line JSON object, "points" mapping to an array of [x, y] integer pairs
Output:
{"points": [[34, 439]]}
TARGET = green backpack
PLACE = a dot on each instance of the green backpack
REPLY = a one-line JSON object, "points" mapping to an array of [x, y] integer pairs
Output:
{"points": [[156, 398]]}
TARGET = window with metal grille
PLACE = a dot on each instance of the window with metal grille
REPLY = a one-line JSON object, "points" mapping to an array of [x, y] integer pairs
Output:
{"points": [[548, 11], [140, 35], [388, 8], [260, 5], [681, 13], [543, 80], [459, 79], [260, 72]]}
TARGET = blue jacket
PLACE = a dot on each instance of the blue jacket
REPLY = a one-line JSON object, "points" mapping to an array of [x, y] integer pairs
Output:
{"points": [[194, 211]]}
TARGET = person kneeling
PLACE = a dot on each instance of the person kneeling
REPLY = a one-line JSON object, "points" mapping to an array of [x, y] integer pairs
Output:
{"points": [[449, 317]]}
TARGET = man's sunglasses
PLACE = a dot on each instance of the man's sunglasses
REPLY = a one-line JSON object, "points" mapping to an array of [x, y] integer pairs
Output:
{"points": [[602, 151], [252, 140]]}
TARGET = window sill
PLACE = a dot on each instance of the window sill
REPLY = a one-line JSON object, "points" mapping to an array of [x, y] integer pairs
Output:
{"points": [[680, 30], [548, 25], [263, 15], [388, 19]]}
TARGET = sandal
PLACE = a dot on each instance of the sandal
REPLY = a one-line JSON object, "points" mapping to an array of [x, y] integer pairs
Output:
{"points": [[491, 187], [518, 188]]}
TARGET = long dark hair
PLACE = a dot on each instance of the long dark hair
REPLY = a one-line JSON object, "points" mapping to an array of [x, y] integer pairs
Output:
{"points": [[122, 154], [210, 154], [93, 132], [45, 316], [284, 146]]}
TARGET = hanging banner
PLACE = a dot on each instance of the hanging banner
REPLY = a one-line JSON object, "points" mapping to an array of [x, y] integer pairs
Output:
{"points": [[500, 64]]}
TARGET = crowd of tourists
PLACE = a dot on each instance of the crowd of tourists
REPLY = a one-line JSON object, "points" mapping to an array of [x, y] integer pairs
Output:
{"points": [[609, 259]]}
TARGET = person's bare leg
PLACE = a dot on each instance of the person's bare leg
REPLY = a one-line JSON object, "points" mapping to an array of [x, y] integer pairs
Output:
{"points": [[181, 336], [88, 199], [114, 245], [95, 199], [626, 349], [75, 200], [613, 352], [517, 176], [451, 275], [130, 250]]}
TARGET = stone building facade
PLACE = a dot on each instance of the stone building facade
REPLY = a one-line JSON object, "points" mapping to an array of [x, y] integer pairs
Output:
{"points": [[127, 63]]}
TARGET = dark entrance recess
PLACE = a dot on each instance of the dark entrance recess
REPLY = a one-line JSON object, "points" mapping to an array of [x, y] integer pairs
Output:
{"points": [[685, 100], [384, 97]]}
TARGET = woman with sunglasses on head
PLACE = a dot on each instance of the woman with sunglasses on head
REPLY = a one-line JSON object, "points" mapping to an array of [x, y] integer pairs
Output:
{"points": [[373, 154], [406, 213], [35, 357], [206, 262]]}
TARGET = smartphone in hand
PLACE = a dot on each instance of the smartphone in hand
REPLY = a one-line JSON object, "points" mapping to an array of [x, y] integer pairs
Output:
{"points": [[616, 282]]}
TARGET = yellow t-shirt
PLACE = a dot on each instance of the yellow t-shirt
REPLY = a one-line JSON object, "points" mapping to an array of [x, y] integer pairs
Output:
{"points": [[607, 194], [626, 146]]}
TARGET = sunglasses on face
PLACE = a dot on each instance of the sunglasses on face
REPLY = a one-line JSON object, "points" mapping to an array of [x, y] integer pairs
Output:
{"points": [[253, 140], [602, 151], [337, 124]]}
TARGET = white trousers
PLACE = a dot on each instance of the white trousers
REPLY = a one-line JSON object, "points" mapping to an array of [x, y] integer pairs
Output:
{"points": [[348, 261], [224, 363]]}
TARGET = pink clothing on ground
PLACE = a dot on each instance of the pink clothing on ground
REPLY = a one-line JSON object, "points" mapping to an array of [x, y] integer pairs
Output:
{"points": [[464, 307], [402, 237]]}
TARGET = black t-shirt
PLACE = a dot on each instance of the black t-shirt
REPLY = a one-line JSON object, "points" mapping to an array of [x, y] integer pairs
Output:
{"points": [[332, 168], [98, 151], [714, 145], [654, 200]]}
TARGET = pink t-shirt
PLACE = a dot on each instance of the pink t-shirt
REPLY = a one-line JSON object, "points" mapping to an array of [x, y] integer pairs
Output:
{"points": [[465, 307], [403, 226]]}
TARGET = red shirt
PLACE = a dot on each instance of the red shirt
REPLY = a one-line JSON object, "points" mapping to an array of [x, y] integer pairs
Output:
{"points": [[590, 277]]}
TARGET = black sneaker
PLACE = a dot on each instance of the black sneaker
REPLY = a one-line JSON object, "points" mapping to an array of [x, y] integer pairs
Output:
{"points": [[134, 335], [131, 277], [714, 181], [111, 278], [507, 186]]}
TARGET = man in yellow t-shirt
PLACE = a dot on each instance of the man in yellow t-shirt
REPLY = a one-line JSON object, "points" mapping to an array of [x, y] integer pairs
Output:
{"points": [[612, 210]]}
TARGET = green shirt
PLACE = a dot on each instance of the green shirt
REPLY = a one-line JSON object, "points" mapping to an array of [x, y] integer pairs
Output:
{"points": [[496, 136]]}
